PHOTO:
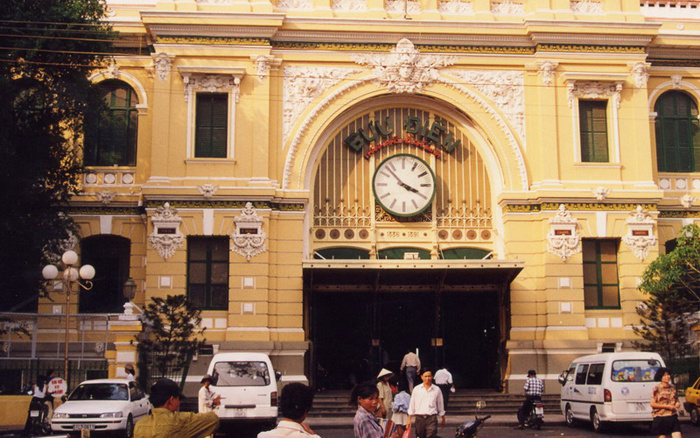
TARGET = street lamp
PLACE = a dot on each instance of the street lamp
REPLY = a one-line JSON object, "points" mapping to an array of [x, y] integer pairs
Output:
{"points": [[72, 274]]}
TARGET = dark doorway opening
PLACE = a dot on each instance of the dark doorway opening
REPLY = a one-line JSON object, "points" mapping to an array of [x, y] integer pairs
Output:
{"points": [[109, 255], [355, 334]]}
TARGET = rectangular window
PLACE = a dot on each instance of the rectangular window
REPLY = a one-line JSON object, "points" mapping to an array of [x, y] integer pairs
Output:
{"points": [[207, 272], [211, 130], [600, 281], [581, 372], [594, 130], [595, 374]]}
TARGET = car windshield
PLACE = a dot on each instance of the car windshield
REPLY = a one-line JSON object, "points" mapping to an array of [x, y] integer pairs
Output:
{"points": [[634, 370], [100, 391], [243, 373]]}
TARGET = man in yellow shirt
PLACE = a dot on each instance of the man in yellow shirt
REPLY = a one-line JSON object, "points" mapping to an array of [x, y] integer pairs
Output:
{"points": [[166, 420]]}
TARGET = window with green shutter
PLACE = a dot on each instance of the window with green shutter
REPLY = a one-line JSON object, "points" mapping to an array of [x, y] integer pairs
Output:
{"points": [[677, 133], [211, 132], [207, 272], [594, 130], [600, 281]]}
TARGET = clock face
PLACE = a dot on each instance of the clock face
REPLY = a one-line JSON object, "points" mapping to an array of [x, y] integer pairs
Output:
{"points": [[404, 185]]}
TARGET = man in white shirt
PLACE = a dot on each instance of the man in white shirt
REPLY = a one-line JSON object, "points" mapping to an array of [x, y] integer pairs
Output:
{"points": [[443, 380], [426, 405], [411, 365]]}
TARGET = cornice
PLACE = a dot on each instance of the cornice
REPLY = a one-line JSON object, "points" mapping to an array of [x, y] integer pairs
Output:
{"points": [[160, 31]]}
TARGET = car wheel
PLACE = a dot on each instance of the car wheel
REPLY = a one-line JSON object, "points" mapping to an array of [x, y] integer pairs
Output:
{"points": [[569, 417], [129, 430], [598, 425], [694, 417]]}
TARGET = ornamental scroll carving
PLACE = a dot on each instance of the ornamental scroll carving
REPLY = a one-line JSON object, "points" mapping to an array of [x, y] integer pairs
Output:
{"points": [[249, 239], [640, 72], [212, 83], [594, 90], [456, 7], [640, 236], [162, 63], [564, 240], [401, 6], [166, 237], [349, 5], [507, 7], [586, 7], [404, 69], [546, 70]]}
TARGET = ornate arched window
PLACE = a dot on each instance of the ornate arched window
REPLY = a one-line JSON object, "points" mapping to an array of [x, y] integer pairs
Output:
{"points": [[677, 133], [111, 130]]}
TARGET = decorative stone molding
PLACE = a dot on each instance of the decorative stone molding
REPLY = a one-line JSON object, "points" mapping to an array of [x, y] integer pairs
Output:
{"points": [[214, 2], [505, 89], [593, 90], [113, 71], [166, 237], [640, 233], [405, 69], [601, 193], [456, 7], [297, 5], [401, 6], [586, 7], [687, 200], [640, 72], [546, 70], [162, 63], [105, 196], [507, 7], [212, 83], [263, 64], [208, 190], [676, 80], [564, 240], [349, 5], [302, 85], [248, 239]]}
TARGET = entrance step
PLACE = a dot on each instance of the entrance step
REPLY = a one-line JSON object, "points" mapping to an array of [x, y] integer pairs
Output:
{"points": [[462, 403]]}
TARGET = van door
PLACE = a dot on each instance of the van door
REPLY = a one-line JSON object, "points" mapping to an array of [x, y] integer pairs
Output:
{"points": [[245, 388], [594, 386], [631, 384], [578, 395]]}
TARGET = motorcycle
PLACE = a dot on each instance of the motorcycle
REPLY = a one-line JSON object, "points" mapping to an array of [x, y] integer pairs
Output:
{"points": [[535, 417], [469, 429], [39, 421]]}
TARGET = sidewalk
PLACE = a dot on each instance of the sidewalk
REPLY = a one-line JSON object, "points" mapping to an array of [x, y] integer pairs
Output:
{"points": [[452, 422]]}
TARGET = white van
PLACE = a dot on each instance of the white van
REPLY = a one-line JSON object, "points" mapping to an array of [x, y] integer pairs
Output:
{"points": [[247, 384], [609, 387]]}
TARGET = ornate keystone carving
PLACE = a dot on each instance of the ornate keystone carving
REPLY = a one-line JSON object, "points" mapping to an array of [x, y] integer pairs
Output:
{"points": [[640, 72], [166, 237], [676, 80], [162, 63], [640, 233], [564, 240], [601, 193], [208, 190], [546, 70], [249, 239], [405, 69], [106, 196], [687, 200]]}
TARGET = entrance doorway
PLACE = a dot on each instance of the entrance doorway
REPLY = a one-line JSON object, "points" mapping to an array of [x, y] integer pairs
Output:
{"points": [[355, 334]]}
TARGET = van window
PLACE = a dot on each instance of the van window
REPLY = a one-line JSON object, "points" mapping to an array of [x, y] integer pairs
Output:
{"points": [[241, 373], [581, 372], [595, 374], [570, 373], [639, 370]]}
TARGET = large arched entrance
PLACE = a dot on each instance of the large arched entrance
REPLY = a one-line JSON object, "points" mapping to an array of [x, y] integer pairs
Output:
{"points": [[402, 261]]}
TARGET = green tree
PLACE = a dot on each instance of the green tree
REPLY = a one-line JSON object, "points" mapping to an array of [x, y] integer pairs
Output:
{"points": [[672, 284], [48, 50], [171, 334]]}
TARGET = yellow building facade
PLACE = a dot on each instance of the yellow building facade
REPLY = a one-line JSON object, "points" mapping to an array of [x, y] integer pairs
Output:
{"points": [[336, 182]]}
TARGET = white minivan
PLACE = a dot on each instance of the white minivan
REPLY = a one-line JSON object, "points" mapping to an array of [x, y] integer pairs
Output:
{"points": [[247, 384], [609, 387]]}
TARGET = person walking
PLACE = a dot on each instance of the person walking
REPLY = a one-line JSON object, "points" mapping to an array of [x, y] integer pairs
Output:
{"points": [[664, 406], [533, 389], [130, 372], [208, 399], [410, 365], [166, 420], [385, 395], [426, 405], [295, 404], [443, 380], [400, 410], [366, 424]]}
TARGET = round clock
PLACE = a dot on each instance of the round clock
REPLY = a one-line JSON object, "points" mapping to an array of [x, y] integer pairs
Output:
{"points": [[404, 185]]}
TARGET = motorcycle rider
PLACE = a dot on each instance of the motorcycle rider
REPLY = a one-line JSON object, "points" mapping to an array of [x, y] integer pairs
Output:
{"points": [[38, 397], [534, 387]]}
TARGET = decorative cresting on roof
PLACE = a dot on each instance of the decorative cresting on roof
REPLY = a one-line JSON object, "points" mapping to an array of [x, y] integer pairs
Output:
{"points": [[586, 6], [404, 69], [455, 7], [249, 239], [504, 88], [166, 237], [640, 73], [640, 236], [594, 90], [162, 63], [302, 85], [564, 240]]}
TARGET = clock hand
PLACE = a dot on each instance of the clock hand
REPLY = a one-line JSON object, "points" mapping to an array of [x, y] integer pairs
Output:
{"points": [[401, 183]]}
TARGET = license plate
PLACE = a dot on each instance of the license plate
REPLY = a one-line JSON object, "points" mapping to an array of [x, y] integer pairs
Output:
{"points": [[539, 410], [33, 414], [239, 413], [83, 427], [639, 407]]}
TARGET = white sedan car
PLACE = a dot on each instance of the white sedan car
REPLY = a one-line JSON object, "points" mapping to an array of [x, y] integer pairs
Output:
{"points": [[102, 405]]}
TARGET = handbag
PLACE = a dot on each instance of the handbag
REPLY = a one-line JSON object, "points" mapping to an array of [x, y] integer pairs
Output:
{"points": [[407, 432]]}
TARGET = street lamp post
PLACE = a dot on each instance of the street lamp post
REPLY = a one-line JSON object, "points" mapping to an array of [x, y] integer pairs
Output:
{"points": [[72, 274]]}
